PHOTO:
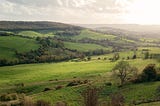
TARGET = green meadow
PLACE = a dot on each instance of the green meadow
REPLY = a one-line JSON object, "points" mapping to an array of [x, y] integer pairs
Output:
{"points": [[83, 47], [10, 44], [36, 77], [93, 35], [35, 34]]}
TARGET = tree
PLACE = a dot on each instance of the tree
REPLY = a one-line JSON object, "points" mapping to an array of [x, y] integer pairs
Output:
{"points": [[149, 73], [146, 55], [116, 56], [123, 71]]}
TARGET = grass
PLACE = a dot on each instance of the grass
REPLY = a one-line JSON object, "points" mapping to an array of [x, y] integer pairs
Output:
{"points": [[83, 47], [140, 91], [150, 104], [35, 34], [43, 72], [36, 77], [9, 44], [93, 35]]}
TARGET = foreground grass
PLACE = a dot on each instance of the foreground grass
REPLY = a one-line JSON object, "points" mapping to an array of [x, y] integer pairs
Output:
{"points": [[36, 77]]}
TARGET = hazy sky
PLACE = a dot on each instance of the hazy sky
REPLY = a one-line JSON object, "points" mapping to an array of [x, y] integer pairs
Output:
{"points": [[82, 11]]}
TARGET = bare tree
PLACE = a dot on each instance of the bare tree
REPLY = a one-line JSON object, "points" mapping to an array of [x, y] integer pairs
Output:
{"points": [[123, 71]]}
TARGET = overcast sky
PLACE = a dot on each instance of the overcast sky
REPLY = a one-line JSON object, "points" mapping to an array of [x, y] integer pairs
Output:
{"points": [[82, 11]]}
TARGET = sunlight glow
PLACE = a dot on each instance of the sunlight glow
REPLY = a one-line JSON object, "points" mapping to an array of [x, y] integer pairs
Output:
{"points": [[143, 12]]}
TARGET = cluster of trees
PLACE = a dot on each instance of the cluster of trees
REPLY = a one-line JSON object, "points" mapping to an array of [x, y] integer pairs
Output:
{"points": [[148, 55], [149, 73], [97, 52], [106, 43], [3, 33], [51, 50], [68, 33], [126, 73], [5, 62]]}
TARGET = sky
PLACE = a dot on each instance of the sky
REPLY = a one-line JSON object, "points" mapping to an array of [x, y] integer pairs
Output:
{"points": [[82, 11]]}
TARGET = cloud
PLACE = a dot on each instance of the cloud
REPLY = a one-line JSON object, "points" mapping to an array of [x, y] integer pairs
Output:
{"points": [[70, 11]]}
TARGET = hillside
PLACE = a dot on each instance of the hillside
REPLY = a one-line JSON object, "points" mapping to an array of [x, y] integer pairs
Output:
{"points": [[132, 30], [39, 25], [52, 38], [58, 62], [10, 44]]}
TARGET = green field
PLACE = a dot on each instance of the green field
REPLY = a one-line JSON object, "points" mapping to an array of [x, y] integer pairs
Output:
{"points": [[97, 71], [93, 35], [36, 77], [83, 47], [35, 34], [10, 44]]}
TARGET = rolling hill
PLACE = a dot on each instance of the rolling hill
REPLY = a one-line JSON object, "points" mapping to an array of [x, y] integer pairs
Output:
{"points": [[39, 25], [69, 59], [39, 40]]}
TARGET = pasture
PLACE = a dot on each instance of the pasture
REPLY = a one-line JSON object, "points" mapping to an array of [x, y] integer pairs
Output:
{"points": [[10, 44], [37, 77]]}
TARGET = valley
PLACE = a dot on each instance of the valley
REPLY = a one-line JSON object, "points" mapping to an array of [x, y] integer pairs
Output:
{"points": [[58, 62]]}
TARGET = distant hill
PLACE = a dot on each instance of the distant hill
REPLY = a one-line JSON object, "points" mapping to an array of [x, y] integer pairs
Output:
{"points": [[134, 30], [38, 25]]}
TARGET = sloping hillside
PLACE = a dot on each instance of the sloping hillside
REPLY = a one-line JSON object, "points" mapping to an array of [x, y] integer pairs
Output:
{"points": [[39, 25]]}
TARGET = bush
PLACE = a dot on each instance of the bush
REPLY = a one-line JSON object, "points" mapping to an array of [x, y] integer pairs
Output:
{"points": [[158, 77], [77, 82], [42, 103], [91, 97], [149, 73], [117, 99], [47, 89], [108, 84], [58, 87], [8, 97]]}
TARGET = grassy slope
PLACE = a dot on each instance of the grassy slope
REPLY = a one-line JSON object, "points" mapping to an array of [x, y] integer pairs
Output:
{"points": [[93, 35], [83, 46], [36, 77], [125, 54], [35, 34], [11, 43]]}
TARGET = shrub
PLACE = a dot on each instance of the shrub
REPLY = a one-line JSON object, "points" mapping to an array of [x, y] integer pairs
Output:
{"points": [[108, 84], [8, 97], [58, 87], [117, 99], [47, 89], [158, 77], [149, 73], [134, 56], [91, 97], [73, 83], [14, 96], [77, 82], [42, 103]]}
